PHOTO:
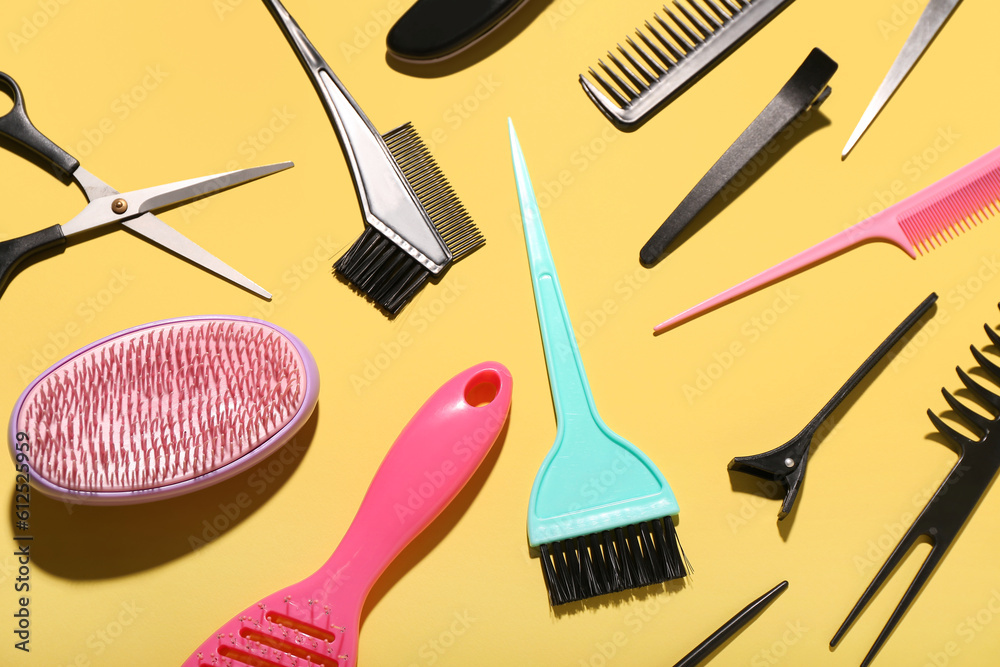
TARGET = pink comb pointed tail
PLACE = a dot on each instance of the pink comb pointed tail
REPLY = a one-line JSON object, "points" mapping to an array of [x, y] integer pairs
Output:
{"points": [[920, 222]]}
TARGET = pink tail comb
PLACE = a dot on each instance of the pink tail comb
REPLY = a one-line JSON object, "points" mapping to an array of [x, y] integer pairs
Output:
{"points": [[919, 223], [314, 623]]}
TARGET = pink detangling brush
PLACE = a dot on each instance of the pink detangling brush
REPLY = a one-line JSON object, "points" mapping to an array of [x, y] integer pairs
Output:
{"points": [[918, 223], [162, 409], [315, 622]]}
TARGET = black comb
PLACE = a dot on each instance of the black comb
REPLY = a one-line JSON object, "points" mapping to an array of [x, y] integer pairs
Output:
{"points": [[673, 53], [943, 518]]}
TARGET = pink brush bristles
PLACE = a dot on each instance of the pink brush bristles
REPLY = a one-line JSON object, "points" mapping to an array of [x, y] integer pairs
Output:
{"points": [[164, 408], [919, 223]]}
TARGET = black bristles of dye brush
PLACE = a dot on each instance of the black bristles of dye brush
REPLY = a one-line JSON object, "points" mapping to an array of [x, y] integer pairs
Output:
{"points": [[379, 268], [630, 557]]}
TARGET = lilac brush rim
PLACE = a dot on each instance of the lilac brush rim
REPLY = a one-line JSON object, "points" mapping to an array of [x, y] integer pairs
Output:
{"points": [[232, 468]]}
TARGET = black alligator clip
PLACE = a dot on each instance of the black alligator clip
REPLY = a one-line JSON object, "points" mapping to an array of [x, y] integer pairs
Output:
{"points": [[787, 463]]}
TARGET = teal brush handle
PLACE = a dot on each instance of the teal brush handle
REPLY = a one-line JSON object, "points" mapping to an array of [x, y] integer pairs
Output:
{"points": [[592, 479]]}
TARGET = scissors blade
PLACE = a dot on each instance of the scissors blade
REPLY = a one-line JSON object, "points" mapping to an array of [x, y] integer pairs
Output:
{"points": [[928, 25], [129, 205], [93, 187], [171, 194], [153, 229]]}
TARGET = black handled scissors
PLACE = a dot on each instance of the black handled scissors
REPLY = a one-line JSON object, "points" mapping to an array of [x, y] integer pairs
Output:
{"points": [[107, 205]]}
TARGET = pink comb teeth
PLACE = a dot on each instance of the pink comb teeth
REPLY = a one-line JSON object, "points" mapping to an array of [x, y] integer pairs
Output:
{"points": [[953, 211], [919, 223]]}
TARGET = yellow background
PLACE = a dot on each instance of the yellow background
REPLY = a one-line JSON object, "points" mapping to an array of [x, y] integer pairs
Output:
{"points": [[227, 74]]}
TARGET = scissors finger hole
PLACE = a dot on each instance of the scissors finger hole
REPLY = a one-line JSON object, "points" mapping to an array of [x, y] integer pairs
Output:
{"points": [[11, 91], [7, 100]]}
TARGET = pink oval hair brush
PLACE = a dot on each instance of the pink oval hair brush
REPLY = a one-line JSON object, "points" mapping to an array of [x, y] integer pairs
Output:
{"points": [[315, 622], [162, 409]]}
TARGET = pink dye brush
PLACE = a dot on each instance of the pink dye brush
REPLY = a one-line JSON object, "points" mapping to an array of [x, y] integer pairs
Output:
{"points": [[315, 622], [162, 409], [920, 222]]}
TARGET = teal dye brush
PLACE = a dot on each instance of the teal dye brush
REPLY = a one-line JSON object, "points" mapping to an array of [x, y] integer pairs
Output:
{"points": [[600, 512]]}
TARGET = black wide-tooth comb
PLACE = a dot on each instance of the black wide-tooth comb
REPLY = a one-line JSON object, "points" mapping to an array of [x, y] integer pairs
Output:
{"points": [[943, 518], [674, 53]]}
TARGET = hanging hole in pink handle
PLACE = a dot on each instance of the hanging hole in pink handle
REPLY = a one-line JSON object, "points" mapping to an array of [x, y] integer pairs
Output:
{"points": [[483, 387]]}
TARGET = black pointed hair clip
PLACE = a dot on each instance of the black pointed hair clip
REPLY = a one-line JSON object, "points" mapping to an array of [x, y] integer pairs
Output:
{"points": [[787, 464], [805, 90]]}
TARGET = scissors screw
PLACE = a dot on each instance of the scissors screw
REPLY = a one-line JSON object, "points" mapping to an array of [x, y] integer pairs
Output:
{"points": [[789, 462], [119, 205]]}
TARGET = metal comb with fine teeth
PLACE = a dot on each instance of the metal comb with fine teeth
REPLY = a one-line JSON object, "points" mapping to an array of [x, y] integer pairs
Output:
{"points": [[674, 53], [943, 518]]}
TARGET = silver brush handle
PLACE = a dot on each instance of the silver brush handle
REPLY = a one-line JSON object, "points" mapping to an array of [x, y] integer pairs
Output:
{"points": [[387, 200]]}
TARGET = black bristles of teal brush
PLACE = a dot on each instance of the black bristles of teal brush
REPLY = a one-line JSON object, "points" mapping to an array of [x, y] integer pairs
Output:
{"points": [[415, 226], [638, 555]]}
